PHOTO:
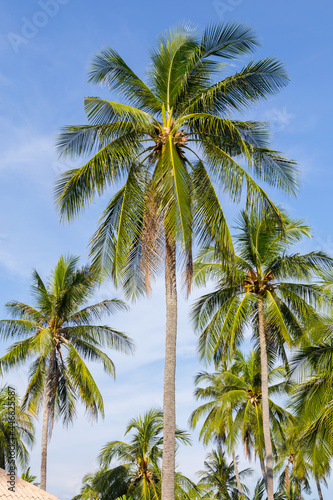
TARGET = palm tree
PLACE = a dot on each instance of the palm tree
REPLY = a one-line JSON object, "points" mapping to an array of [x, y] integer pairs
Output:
{"points": [[28, 477], [291, 460], [234, 398], [266, 289], [219, 478], [57, 336], [259, 490], [313, 398], [320, 467], [16, 430], [291, 493], [91, 489], [172, 140], [139, 468], [219, 423]]}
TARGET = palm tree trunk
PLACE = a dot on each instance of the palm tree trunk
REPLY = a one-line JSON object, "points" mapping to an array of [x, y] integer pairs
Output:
{"points": [[287, 480], [263, 471], [239, 486], [320, 493], [169, 410], [265, 402], [45, 427]]}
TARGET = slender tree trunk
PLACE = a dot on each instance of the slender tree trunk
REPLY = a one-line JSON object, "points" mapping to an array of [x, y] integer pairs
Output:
{"points": [[320, 493], [287, 481], [265, 402], [169, 410], [45, 427], [263, 471], [239, 486]]}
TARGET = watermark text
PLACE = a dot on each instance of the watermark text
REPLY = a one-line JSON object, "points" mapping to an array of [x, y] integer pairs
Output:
{"points": [[31, 25], [11, 413]]}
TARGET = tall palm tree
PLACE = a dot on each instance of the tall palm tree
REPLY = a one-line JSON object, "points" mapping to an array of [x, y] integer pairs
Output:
{"points": [[138, 470], [234, 398], [58, 334], [219, 477], [168, 145], [267, 289], [16, 430]]}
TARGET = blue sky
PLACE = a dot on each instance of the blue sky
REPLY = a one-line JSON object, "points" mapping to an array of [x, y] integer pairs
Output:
{"points": [[45, 49]]}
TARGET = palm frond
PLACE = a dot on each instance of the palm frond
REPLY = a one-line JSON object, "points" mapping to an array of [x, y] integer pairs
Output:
{"points": [[109, 69], [84, 384], [77, 187], [119, 226]]}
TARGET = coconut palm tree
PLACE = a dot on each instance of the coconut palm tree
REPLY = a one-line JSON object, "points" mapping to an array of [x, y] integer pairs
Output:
{"points": [[320, 467], [58, 334], [91, 487], [170, 147], [16, 430], [291, 493], [138, 468], [292, 462], [29, 478], [219, 478], [219, 423], [235, 405], [313, 399], [259, 490], [266, 289]]}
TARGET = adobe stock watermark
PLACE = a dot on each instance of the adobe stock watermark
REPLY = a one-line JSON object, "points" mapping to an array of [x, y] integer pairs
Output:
{"points": [[11, 413], [223, 7], [31, 26]]}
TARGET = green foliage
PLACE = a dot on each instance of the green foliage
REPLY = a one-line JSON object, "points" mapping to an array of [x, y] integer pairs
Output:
{"points": [[132, 469], [312, 399], [16, 429], [174, 147], [30, 478], [232, 409], [262, 268], [57, 335], [218, 479]]}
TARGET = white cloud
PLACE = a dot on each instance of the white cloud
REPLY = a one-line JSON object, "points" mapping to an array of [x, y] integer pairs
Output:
{"points": [[279, 119], [23, 146]]}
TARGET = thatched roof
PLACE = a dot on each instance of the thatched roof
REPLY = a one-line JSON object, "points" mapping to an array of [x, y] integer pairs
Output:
{"points": [[23, 490]]}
